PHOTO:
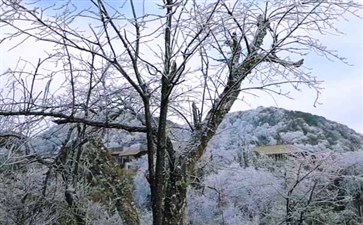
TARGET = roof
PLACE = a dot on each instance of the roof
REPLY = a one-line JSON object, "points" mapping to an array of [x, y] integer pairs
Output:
{"points": [[278, 149], [126, 151]]}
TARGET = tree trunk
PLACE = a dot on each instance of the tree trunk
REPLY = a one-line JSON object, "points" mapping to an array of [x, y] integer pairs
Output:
{"points": [[176, 198], [127, 211]]}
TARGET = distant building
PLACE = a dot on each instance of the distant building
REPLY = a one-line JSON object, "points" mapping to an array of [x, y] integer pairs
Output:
{"points": [[280, 151], [124, 155]]}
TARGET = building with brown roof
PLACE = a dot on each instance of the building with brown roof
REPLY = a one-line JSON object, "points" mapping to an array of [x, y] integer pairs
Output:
{"points": [[280, 151], [124, 155]]}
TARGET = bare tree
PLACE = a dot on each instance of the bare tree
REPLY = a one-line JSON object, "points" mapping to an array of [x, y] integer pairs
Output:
{"points": [[175, 60]]}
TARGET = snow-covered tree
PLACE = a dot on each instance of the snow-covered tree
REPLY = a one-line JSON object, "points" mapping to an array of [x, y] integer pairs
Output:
{"points": [[130, 67]]}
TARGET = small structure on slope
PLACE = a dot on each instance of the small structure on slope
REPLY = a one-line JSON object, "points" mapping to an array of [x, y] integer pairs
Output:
{"points": [[125, 154], [280, 151]]}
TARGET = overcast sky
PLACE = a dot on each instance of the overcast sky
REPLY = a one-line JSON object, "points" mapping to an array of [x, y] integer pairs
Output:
{"points": [[342, 97]]}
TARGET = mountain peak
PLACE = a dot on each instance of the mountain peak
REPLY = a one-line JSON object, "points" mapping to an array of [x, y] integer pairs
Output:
{"points": [[272, 125]]}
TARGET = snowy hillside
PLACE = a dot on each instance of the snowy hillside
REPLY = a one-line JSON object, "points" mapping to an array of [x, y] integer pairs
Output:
{"points": [[232, 184], [258, 127], [238, 187], [269, 126]]}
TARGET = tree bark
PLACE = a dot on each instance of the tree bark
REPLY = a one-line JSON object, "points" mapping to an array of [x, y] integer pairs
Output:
{"points": [[176, 198], [176, 190]]}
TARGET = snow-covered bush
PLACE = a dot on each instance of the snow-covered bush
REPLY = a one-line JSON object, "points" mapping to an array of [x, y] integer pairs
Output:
{"points": [[233, 194]]}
